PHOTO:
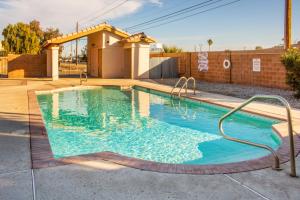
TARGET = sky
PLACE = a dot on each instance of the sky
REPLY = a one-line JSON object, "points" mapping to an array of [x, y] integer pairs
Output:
{"points": [[242, 25]]}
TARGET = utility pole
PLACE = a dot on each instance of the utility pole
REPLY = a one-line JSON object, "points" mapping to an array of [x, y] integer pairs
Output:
{"points": [[288, 24], [76, 50]]}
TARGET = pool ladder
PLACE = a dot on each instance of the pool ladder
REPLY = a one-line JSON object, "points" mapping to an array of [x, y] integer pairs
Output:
{"points": [[290, 130], [83, 73], [185, 85]]}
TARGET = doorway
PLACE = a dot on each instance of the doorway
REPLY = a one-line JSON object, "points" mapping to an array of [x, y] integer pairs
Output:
{"points": [[127, 62]]}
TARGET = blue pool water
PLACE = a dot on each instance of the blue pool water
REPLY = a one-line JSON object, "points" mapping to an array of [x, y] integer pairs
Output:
{"points": [[149, 125]]}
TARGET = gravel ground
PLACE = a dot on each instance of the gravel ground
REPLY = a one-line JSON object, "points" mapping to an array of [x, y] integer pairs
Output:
{"points": [[240, 91]]}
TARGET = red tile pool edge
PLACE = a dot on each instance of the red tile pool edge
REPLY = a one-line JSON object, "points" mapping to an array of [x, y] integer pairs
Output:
{"points": [[42, 157]]}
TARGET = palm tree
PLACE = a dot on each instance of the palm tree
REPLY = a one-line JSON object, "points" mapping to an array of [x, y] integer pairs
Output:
{"points": [[210, 42]]}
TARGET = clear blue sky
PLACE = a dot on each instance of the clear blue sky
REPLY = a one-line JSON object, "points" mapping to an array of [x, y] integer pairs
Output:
{"points": [[245, 24]]}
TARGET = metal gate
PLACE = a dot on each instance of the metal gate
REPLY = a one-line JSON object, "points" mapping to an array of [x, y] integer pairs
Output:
{"points": [[163, 67]]}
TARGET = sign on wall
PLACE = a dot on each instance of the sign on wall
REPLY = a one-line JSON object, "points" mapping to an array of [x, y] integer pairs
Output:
{"points": [[202, 61], [256, 64]]}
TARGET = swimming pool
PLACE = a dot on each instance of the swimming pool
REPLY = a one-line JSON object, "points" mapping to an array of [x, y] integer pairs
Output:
{"points": [[149, 125]]}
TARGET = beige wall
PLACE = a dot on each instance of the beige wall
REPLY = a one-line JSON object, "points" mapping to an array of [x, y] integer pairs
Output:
{"points": [[27, 66], [112, 56], [94, 43], [111, 62], [52, 62], [140, 61]]}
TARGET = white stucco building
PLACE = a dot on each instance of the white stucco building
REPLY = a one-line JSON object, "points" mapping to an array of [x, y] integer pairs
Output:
{"points": [[112, 53]]}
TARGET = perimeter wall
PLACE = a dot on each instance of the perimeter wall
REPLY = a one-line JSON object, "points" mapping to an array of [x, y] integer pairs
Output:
{"points": [[272, 73], [26, 66]]}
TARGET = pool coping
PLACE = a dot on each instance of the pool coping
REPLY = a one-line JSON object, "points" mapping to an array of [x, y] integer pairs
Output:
{"points": [[42, 157]]}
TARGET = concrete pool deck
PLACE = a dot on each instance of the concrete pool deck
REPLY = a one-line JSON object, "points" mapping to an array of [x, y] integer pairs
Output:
{"points": [[105, 180]]}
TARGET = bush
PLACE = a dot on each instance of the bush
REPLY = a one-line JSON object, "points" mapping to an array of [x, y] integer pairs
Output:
{"points": [[172, 49], [291, 61]]}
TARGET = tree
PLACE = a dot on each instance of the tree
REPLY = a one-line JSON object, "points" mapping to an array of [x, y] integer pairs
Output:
{"points": [[23, 38], [36, 27], [19, 38], [258, 48], [209, 42], [50, 33], [291, 60], [172, 49]]}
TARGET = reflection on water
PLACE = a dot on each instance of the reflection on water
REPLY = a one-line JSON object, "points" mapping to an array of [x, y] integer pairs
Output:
{"points": [[55, 105]]}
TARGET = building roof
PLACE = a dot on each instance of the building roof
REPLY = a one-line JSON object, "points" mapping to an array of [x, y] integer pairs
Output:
{"points": [[126, 37], [138, 37]]}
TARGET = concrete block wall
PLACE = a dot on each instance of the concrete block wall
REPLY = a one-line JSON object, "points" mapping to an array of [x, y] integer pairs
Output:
{"points": [[27, 66], [272, 74]]}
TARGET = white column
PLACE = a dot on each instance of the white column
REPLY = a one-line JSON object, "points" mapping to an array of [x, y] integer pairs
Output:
{"points": [[55, 63], [52, 63], [141, 53]]}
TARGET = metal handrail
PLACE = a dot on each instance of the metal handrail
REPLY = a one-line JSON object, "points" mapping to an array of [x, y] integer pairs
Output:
{"points": [[290, 129], [83, 80], [177, 83], [186, 86]]}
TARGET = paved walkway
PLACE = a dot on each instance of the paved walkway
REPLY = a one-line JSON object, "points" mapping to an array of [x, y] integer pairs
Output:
{"points": [[104, 180]]}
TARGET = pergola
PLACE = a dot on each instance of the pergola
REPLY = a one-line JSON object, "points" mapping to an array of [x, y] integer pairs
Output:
{"points": [[112, 52]]}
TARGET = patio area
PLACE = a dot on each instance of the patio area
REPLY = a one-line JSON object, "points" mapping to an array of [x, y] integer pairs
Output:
{"points": [[99, 179]]}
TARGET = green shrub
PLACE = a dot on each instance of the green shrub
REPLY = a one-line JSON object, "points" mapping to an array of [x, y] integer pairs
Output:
{"points": [[172, 49], [291, 60]]}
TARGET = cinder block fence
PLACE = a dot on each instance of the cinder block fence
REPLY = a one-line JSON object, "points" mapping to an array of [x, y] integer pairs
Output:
{"points": [[27, 66], [272, 73]]}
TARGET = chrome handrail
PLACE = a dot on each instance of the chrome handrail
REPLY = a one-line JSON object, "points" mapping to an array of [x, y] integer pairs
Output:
{"points": [[290, 129], [186, 86], [83, 80], [177, 83]]}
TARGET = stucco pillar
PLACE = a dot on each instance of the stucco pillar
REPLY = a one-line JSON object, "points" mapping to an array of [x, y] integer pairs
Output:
{"points": [[140, 61], [52, 63]]}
